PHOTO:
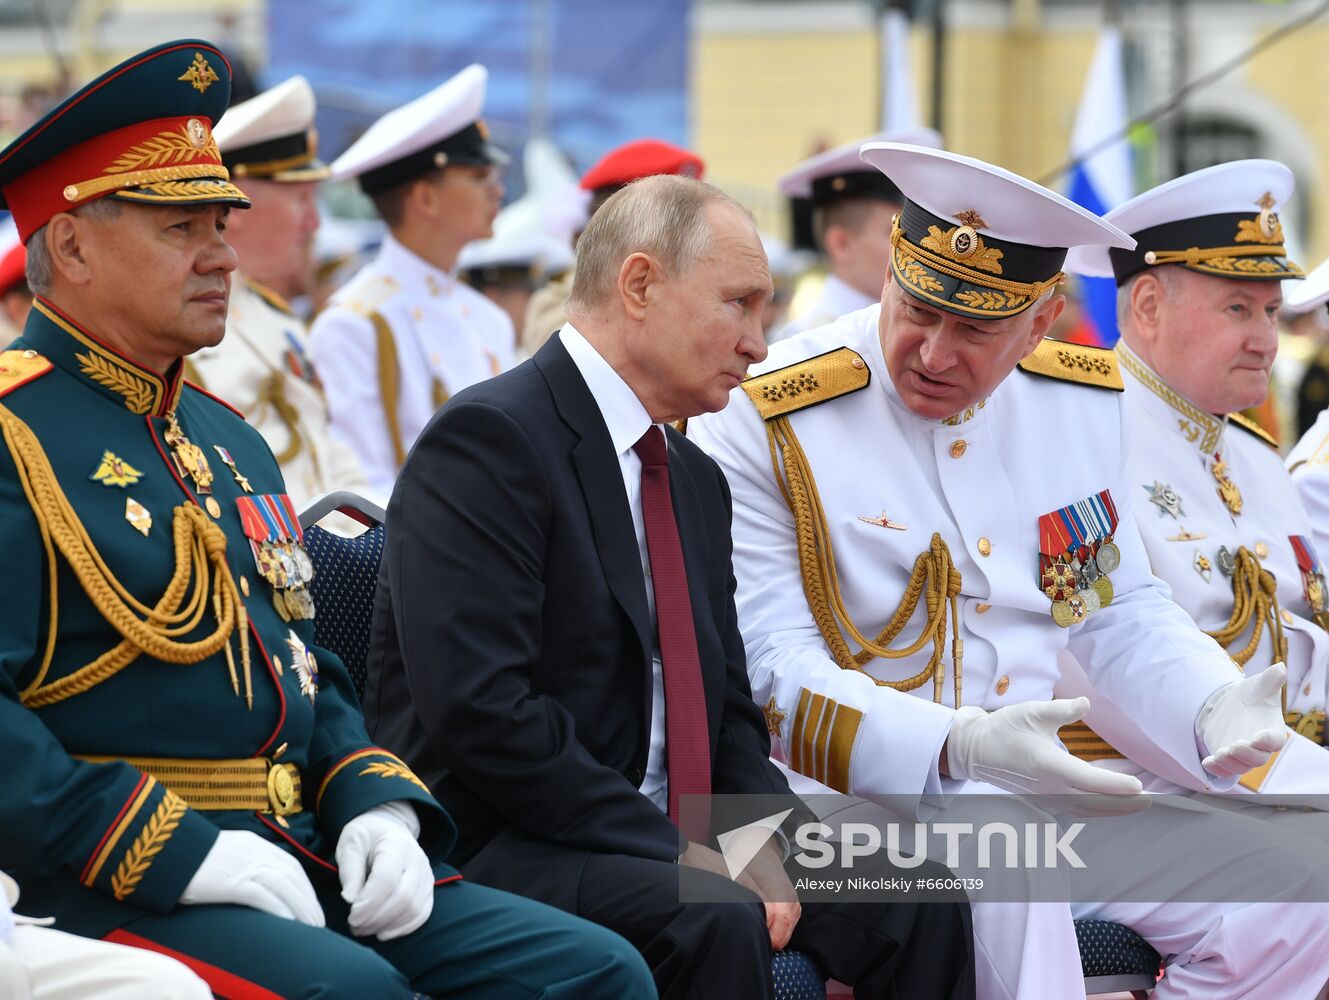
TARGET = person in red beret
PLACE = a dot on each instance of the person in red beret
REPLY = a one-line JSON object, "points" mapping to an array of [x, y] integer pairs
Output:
{"points": [[546, 312]]}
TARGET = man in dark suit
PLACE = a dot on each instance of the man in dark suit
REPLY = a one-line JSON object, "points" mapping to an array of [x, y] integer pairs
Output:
{"points": [[555, 648]]}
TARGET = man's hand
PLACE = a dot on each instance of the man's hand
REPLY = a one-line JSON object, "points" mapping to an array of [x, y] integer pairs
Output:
{"points": [[766, 877], [244, 869], [1241, 725], [1016, 748], [385, 875]]}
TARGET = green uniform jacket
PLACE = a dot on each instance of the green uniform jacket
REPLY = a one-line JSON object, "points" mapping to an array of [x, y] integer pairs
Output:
{"points": [[98, 843]]}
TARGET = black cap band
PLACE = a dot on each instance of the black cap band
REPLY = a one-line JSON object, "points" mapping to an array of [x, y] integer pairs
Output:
{"points": [[469, 147], [1230, 245], [855, 184]]}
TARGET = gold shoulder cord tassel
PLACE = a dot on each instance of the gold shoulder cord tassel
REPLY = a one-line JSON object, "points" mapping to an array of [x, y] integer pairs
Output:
{"points": [[200, 552], [272, 392], [934, 579], [1254, 598]]}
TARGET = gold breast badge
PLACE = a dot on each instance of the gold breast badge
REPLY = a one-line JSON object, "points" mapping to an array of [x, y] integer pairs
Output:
{"points": [[113, 470], [882, 521], [1227, 489], [189, 458]]}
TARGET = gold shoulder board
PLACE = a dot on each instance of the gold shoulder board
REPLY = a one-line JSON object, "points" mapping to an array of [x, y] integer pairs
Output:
{"points": [[376, 291], [1246, 423], [17, 367], [1074, 363], [807, 383], [270, 297]]}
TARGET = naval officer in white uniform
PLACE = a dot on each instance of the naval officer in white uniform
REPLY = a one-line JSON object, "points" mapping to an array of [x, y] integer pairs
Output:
{"points": [[852, 209], [1308, 461], [1198, 304], [919, 529], [398, 339], [262, 367]]}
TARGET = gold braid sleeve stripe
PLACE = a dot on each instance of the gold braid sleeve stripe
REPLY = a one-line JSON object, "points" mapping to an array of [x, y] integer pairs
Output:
{"points": [[273, 392], [90, 878], [395, 762], [200, 552], [147, 845], [389, 377], [822, 739], [934, 580]]}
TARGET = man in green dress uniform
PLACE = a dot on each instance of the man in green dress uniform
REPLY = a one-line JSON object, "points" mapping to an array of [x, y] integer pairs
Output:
{"points": [[186, 771]]}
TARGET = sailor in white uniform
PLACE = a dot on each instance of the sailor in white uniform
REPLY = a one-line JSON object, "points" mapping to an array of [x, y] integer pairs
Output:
{"points": [[919, 530], [852, 209], [262, 367], [401, 336], [1308, 461]]}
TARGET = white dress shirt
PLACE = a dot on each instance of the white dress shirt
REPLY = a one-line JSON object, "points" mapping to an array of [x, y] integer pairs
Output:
{"points": [[627, 421]]}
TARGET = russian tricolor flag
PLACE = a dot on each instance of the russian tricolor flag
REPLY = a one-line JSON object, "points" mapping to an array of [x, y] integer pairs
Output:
{"points": [[1104, 180]]}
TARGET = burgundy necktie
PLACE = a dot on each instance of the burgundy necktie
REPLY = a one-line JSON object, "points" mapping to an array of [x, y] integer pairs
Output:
{"points": [[687, 741]]}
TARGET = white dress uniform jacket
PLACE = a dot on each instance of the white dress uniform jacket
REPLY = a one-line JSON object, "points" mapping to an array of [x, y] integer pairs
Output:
{"points": [[837, 298], [1309, 464], [262, 368], [1190, 533], [393, 344]]}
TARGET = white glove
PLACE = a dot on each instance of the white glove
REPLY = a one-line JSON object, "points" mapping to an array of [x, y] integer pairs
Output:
{"points": [[1016, 748], [245, 869], [1241, 726], [385, 875]]}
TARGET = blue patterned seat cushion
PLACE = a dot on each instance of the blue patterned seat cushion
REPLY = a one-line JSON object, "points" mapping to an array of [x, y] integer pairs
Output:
{"points": [[345, 575], [1108, 949], [796, 977]]}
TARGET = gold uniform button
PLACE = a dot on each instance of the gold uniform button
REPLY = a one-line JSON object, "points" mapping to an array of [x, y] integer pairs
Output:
{"points": [[982, 609], [984, 546], [1261, 550], [958, 448], [244, 585], [1003, 685], [1287, 616], [1306, 689], [857, 363], [214, 508], [29, 354]]}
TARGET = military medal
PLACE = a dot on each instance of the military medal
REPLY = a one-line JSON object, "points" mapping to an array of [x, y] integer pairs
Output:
{"points": [[1076, 556], [1165, 498], [1227, 565], [229, 462], [189, 458], [113, 470], [277, 542], [1312, 578], [1203, 566], [1227, 489], [304, 665]]}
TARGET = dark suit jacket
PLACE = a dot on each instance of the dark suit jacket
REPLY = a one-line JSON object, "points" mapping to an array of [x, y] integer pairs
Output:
{"points": [[510, 659]]}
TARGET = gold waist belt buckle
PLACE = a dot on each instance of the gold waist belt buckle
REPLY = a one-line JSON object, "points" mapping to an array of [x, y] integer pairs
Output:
{"points": [[1308, 724], [249, 784], [1086, 744]]}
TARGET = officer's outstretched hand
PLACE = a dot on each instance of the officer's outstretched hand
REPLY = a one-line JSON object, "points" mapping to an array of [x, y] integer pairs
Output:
{"points": [[385, 875], [245, 869], [1241, 725], [1016, 748]]}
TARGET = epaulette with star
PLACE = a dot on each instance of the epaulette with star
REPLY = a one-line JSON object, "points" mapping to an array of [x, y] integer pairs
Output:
{"points": [[807, 383], [20, 367], [1075, 363], [270, 297], [1247, 424]]}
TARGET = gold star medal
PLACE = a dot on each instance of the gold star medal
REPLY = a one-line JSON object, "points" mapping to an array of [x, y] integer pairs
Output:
{"points": [[229, 462], [113, 470]]}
